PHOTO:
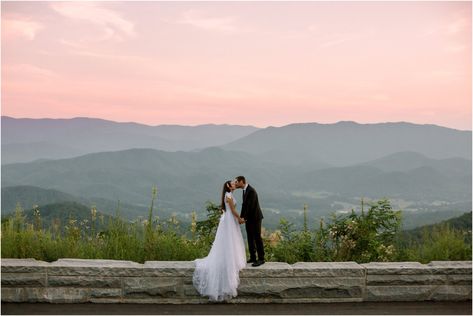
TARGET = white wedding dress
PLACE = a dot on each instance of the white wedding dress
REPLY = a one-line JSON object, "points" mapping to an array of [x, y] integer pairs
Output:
{"points": [[217, 275]]}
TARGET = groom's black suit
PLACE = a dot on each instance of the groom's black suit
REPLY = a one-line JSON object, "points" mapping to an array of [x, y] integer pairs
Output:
{"points": [[251, 212]]}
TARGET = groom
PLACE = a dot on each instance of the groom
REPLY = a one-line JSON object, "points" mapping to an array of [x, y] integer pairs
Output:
{"points": [[252, 216]]}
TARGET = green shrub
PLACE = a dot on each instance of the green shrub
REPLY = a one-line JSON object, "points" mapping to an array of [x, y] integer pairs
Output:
{"points": [[440, 243], [371, 235]]}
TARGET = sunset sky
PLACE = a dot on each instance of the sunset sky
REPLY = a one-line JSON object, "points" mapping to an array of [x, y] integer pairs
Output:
{"points": [[247, 63]]}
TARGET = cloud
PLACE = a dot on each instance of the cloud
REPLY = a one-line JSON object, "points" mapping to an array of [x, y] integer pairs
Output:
{"points": [[198, 19], [113, 25], [82, 50], [20, 28]]}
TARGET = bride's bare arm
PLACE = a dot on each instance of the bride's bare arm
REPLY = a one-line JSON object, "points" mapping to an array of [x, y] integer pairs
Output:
{"points": [[232, 207]]}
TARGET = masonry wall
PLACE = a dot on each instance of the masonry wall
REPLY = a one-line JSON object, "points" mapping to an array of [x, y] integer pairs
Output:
{"points": [[112, 281]]}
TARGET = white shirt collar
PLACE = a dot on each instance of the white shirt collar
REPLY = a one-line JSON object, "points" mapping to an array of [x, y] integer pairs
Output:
{"points": [[246, 186]]}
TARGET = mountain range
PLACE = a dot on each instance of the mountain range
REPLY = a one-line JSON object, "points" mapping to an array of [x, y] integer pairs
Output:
{"points": [[26, 140], [330, 167], [346, 143]]}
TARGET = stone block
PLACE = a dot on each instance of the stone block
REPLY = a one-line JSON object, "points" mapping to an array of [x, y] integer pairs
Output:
{"points": [[152, 286], [190, 291], [169, 268], [395, 268], [24, 294], [187, 280], [23, 266], [24, 279], [95, 267], [162, 300], [405, 279], [67, 295], [302, 287], [321, 300], [105, 293], [452, 293], [459, 279], [450, 267], [170, 282], [267, 270], [328, 269], [105, 300], [398, 293], [84, 281]]}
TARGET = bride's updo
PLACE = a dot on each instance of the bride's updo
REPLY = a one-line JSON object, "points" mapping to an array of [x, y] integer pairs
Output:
{"points": [[227, 187]]}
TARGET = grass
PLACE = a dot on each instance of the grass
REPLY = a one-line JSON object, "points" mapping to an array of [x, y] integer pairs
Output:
{"points": [[365, 237]]}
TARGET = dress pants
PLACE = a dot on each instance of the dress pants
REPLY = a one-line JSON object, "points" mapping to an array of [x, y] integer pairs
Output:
{"points": [[255, 242]]}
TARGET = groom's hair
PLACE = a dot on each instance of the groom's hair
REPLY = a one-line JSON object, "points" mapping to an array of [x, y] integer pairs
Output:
{"points": [[241, 179]]}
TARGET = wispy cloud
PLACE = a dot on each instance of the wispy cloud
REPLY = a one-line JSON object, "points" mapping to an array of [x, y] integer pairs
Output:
{"points": [[113, 25], [82, 50], [20, 28], [200, 19]]}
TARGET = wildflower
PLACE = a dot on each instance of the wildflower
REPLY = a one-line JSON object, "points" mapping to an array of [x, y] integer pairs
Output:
{"points": [[194, 222], [173, 220], [274, 238], [93, 212], [155, 191], [36, 210]]}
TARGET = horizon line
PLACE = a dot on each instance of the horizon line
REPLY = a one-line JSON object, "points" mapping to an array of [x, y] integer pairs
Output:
{"points": [[227, 124]]}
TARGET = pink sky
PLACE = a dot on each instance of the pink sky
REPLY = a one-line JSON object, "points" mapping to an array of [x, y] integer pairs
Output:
{"points": [[261, 64]]}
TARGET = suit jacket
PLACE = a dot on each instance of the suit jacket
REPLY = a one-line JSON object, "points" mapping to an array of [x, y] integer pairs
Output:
{"points": [[250, 209]]}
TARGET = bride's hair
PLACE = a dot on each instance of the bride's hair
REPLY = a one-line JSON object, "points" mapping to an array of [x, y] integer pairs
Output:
{"points": [[226, 188]]}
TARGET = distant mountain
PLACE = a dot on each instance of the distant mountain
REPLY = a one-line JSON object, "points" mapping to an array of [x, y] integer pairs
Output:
{"points": [[410, 160], [26, 152], [61, 213], [349, 143], [186, 180], [460, 223], [402, 175], [27, 196], [420, 215], [26, 140]]}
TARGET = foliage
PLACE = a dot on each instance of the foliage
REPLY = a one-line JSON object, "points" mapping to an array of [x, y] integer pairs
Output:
{"points": [[441, 242], [364, 236], [206, 229], [118, 239], [461, 223]]}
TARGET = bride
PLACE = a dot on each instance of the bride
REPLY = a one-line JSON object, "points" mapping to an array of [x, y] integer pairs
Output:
{"points": [[217, 275]]}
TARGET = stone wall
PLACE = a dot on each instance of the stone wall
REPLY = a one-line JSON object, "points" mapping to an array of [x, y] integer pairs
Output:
{"points": [[112, 281]]}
